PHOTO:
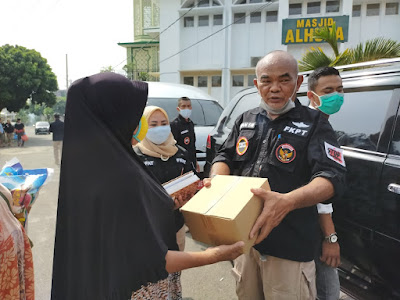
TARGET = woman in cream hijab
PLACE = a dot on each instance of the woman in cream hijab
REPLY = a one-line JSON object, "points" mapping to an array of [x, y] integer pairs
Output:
{"points": [[165, 160]]}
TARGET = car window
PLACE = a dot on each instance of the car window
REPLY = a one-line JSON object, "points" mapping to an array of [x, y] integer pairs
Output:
{"points": [[395, 144], [199, 109], [360, 120], [42, 124], [212, 111], [247, 102]]}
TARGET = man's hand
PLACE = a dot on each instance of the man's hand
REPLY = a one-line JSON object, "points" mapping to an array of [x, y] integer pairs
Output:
{"points": [[330, 254], [276, 207], [207, 182]]}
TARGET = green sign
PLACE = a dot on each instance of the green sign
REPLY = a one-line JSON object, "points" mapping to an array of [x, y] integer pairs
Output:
{"points": [[300, 31]]}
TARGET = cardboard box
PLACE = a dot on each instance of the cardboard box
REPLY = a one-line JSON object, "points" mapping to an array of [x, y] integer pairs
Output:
{"points": [[225, 212]]}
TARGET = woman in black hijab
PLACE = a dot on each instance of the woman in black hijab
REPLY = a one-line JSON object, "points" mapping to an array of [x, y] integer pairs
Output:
{"points": [[115, 225]]}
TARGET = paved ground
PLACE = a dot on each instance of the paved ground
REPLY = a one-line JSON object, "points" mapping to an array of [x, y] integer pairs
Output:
{"points": [[207, 283]]}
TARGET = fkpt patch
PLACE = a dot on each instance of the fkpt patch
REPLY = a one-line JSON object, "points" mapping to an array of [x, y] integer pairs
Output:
{"points": [[186, 140], [242, 145], [285, 153], [335, 154]]}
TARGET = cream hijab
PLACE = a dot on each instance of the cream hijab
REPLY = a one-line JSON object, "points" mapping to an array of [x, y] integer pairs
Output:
{"points": [[164, 150]]}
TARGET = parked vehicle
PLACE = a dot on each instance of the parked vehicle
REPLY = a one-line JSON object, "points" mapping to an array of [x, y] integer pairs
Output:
{"points": [[367, 217], [205, 110], [42, 128]]}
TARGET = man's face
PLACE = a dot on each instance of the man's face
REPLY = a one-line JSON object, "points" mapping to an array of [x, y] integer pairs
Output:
{"points": [[276, 83], [325, 85], [185, 104]]}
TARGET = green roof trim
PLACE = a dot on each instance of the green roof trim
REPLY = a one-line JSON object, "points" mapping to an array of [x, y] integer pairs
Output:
{"points": [[138, 43]]}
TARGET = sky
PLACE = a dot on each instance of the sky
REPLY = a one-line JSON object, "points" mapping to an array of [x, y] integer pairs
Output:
{"points": [[87, 30]]}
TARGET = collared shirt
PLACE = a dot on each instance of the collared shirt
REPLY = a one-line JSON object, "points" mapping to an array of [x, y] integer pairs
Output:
{"points": [[290, 151]]}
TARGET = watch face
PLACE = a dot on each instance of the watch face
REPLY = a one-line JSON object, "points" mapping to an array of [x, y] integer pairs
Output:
{"points": [[333, 238]]}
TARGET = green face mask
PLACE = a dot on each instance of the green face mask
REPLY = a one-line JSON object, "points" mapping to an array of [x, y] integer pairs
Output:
{"points": [[330, 103]]}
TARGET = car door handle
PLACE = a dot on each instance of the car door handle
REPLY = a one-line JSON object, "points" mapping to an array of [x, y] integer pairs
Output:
{"points": [[394, 188]]}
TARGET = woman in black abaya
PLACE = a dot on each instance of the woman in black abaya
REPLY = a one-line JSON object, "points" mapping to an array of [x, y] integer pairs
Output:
{"points": [[115, 232]]}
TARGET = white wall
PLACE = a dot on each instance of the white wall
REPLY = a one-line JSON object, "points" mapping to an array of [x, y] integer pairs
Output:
{"points": [[229, 51]]}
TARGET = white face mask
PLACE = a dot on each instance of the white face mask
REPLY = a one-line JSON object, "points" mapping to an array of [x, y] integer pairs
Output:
{"points": [[185, 113], [284, 109], [158, 135]]}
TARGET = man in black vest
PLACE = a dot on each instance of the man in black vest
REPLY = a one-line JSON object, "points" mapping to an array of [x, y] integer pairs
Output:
{"points": [[57, 128], [183, 129]]}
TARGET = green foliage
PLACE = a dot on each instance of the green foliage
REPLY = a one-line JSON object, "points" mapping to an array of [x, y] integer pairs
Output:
{"points": [[24, 73], [23, 115], [313, 59], [374, 49], [59, 107], [107, 69], [48, 112], [328, 34]]}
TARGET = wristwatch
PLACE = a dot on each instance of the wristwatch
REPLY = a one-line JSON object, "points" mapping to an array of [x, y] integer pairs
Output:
{"points": [[332, 238]]}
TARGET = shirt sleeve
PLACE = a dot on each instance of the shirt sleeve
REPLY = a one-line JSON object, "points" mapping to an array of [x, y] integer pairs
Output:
{"points": [[326, 158]]}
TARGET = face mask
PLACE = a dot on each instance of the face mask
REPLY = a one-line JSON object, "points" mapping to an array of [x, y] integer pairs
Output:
{"points": [[185, 113], [288, 106], [330, 103], [158, 135], [142, 130]]}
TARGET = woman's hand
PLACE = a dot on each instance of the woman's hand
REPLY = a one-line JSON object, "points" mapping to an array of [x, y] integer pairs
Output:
{"points": [[225, 252]]}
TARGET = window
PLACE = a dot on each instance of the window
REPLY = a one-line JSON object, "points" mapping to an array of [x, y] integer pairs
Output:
{"points": [[215, 3], [237, 80], [392, 8], [241, 2], [216, 81], [255, 1], [373, 9], [239, 18], [203, 21], [255, 17], [217, 19], [250, 79], [332, 6], [313, 8], [246, 102], [395, 144], [203, 3], [188, 22], [202, 81], [295, 9], [356, 10], [272, 16], [358, 123], [212, 111], [188, 80]]}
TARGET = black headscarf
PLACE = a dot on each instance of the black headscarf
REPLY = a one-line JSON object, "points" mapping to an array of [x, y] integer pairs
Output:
{"points": [[114, 221]]}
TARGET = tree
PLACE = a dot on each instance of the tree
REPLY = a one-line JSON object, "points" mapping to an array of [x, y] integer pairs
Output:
{"points": [[24, 74], [48, 112], [59, 107], [107, 69], [372, 50]]}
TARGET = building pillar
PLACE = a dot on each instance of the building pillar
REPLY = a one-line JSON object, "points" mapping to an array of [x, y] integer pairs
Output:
{"points": [[283, 13], [226, 67]]}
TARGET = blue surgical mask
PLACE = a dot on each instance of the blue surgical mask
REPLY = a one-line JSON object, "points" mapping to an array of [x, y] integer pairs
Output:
{"points": [[185, 113], [330, 103], [158, 135]]}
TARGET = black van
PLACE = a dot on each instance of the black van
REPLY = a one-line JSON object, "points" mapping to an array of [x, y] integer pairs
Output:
{"points": [[367, 218]]}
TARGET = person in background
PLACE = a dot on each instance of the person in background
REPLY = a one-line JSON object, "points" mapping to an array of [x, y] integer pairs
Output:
{"points": [[115, 231], [166, 161], [325, 91], [2, 134], [287, 143], [20, 131], [9, 131], [16, 261], [57, 128], [182, 129]]}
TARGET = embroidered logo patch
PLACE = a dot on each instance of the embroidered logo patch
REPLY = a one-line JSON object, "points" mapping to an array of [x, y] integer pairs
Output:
{"points": [[242, 145], [335, 153], [186, 140], [285, 153]]}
